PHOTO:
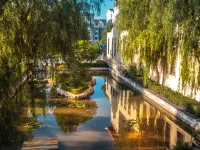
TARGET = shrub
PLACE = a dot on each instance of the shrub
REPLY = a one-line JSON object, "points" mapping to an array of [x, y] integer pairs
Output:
{"points": [[182, 146], [74, 84], [198, 111], [189, 107]]}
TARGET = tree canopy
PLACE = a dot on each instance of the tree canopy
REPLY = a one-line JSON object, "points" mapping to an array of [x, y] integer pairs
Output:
{"points": [[31, 30], [160, 31]]}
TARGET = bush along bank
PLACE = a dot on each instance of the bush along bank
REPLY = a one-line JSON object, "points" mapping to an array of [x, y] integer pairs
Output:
{"points": [[186, 103]]}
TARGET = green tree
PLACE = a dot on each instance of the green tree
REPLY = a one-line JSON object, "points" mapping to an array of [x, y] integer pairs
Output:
{"points": [[104, 34], [159, 31], [86, 51], [33, 30]]}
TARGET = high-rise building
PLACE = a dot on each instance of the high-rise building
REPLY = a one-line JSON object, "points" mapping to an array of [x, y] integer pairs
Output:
{"points": [[95, 27], [90, 22], [99, 27]]}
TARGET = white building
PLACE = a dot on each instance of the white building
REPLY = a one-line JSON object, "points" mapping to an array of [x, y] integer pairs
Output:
{"points": [[109, 16], [112, 41]]}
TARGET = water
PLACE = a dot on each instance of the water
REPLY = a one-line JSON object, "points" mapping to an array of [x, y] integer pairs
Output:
{"points": [[90, 134], [121, 120]]}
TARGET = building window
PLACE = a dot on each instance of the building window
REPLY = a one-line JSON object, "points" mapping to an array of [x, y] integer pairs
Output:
{"points": [[96, 38], [115, 47], [96, 24], [108, 45], [112, 47], [121, 101], [167, 134], [180, 136], [173, 67], [107, 84]]}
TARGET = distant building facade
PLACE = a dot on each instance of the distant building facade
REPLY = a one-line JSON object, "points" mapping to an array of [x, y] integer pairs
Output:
{"points": [[90, 22], [99, 27], [95, 27], [112, 41]]}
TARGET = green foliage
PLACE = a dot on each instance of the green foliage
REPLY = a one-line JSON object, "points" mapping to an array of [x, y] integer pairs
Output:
{"points": [[98, 63], [159, 31], [77, 105], [61, 66], [85, 51], [35, 30], [104, 34], [33, 125], [75, 83], [182, 146]]}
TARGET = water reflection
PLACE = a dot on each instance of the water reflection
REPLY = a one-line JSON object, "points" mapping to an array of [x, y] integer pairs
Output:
{"points": [[85, 128], [154, 130], [29, 106], [13, 116]]}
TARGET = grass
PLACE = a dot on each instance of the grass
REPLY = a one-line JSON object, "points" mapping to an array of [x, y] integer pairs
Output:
{"points": [[189, 104], [75, 85], [75, 90]]}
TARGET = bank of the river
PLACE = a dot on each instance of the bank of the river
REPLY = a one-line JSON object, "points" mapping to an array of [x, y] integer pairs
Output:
{"points": [[187, 118]]}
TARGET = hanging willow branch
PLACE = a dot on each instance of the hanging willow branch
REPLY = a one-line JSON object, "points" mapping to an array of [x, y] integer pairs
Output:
{"points": [[159, 31]]}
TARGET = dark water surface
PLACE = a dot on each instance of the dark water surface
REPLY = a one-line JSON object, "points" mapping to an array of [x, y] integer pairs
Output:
{"points": [[121, 120]]}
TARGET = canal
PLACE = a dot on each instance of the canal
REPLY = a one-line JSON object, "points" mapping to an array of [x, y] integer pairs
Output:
{"points": [[116, 118]]}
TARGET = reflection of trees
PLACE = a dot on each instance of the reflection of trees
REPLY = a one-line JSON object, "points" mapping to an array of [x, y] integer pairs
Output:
{"points": [[70, 122], [38, 99], [12, 116], [70, 118]]}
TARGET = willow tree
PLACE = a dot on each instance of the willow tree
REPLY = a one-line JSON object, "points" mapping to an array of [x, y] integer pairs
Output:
{"points": [[31, 30], [159, 31]]}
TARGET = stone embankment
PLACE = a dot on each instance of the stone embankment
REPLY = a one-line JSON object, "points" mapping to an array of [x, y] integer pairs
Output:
{"points": [[83, 95]]}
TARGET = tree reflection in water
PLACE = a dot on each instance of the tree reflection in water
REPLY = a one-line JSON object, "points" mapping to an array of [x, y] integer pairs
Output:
{"points": [[70, 122], [70, 118], [12, 119], [28, 105]]}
